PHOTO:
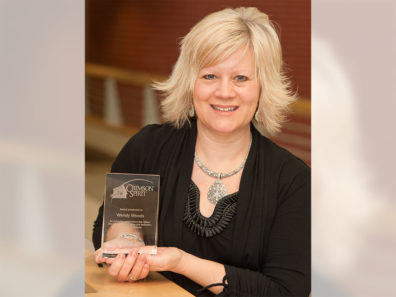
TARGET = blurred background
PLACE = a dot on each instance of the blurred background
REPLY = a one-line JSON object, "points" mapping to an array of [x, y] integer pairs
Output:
{"points": [[131, 43]]}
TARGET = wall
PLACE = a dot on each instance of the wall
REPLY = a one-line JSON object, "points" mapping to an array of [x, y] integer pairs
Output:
{"points": [[144, 36]]}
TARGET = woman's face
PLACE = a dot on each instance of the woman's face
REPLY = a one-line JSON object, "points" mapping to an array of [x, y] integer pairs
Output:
{"points": [[226, 94]]}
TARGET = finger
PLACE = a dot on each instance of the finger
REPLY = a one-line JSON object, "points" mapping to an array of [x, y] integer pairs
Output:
{"points": [[125, 252], [115, 267], [145, 271], [138, 267], [97, 255], [127, 267], [110, 261]]}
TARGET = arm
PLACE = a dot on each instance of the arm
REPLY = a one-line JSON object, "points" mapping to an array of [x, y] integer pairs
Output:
{"points": [[205, 272], [167, 259], [201, 271], [97, 229], [286, 268], [286, 271]]}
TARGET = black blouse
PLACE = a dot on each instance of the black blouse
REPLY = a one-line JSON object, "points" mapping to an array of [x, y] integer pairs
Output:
{"points": [[207, 237], [268, 250]]}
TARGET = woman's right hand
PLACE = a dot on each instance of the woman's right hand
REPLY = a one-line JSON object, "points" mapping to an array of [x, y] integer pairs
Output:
{"points": [[125, 268], [129, 268]]}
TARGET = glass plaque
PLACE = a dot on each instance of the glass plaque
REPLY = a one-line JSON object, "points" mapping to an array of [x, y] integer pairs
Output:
{"points": [[130, 215]]}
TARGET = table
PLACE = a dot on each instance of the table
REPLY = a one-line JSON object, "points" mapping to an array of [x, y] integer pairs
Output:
{"points": [[98, 283]]}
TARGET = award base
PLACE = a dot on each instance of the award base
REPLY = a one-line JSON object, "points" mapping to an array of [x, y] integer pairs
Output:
{"points": [[151, 252]]}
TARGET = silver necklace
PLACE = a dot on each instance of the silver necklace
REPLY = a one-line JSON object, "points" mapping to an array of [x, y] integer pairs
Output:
{"points": [[217, 190]]}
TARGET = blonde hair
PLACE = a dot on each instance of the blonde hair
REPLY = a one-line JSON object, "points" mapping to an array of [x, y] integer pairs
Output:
{"points": [[212, 40]]}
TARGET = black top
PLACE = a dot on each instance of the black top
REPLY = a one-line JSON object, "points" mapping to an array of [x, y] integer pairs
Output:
{"points": [[211, 226], [209, 237], [269, 249]]}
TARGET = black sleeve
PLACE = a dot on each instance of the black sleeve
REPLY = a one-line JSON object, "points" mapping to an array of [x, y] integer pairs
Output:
{"points": [[286, 270], [97, 229]]}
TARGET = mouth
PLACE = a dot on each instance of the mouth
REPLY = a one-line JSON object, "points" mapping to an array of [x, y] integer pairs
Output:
{"points": [[224, 109]]}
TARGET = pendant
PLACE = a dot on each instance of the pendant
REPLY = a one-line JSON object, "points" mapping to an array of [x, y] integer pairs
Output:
{"points": [[216, 191]]}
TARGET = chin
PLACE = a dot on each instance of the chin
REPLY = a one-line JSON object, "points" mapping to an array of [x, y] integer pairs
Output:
{"points": [[224, 126], [224, 129]]}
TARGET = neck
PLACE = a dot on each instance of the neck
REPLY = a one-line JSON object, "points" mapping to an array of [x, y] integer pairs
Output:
{"points": [[222, 152]]}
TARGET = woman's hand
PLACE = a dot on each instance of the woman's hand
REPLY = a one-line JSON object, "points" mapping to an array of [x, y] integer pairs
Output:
{"points": [[139, 262], [129, 268], [125, 268], [166, 259]]}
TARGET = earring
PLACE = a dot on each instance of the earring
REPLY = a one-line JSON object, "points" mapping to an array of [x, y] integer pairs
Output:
{"points": [[191, 112]]}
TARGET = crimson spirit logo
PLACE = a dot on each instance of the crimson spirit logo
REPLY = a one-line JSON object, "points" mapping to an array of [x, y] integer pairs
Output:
{"points": [[132, 188]]}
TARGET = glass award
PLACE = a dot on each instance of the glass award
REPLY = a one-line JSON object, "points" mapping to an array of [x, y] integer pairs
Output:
{"points": [[130, 215]]}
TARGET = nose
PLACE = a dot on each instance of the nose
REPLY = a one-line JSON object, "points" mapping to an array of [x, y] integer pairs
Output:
{"points": [[225, 89]]}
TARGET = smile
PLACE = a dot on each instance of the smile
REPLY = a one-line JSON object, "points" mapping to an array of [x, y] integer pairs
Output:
{"points": [[226, 109]]}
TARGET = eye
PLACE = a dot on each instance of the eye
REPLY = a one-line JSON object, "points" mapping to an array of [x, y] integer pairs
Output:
{"points": [[241, 78], [209, 76]]}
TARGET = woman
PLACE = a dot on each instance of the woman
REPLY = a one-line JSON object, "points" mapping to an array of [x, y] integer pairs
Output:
{"points": [[234, 207]]}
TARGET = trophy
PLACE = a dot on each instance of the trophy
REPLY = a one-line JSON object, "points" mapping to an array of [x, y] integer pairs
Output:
{"points": [[130, 215]]}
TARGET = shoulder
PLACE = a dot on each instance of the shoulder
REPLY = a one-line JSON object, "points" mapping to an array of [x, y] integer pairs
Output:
{"points": [[151, 135], [289, 171], [158, 129], [148, 142], [149, 132], [277, 156], [283, 159]]}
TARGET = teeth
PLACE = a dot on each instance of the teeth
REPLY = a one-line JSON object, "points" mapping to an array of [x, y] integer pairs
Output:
{"points": [[224, 109]]}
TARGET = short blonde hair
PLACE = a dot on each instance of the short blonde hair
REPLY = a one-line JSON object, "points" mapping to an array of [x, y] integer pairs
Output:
{"points": [[212, 40]]}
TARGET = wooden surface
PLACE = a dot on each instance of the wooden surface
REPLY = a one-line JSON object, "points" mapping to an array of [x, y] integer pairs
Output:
{"points": [[98, 283]]}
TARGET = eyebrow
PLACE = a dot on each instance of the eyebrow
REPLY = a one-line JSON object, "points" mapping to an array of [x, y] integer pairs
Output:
{"points": [[241, 70]]}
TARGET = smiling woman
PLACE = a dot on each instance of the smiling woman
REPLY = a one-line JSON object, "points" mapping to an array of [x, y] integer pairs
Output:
{"points": [[214, 39], [234, 215]]}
